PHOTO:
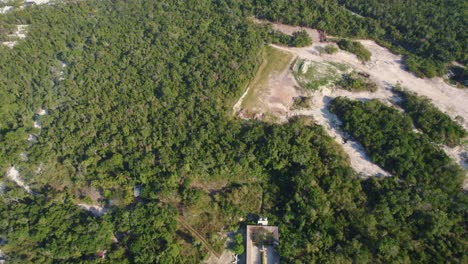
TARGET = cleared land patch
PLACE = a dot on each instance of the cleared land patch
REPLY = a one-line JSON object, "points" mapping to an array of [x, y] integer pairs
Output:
{"points": [[313, 75], [320, 74], [271, 86]]}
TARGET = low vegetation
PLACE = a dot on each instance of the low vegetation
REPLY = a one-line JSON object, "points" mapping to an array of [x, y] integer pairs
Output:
{"points": [[356, 82], [356, 48], [328, 49], [298, 38], [438, 126], [313, 75], [274, 61], [301, 102]]}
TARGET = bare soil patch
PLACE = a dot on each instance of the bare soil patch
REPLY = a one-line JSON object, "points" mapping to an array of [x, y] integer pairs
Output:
{"points": [[272, 89], [14, 175]]}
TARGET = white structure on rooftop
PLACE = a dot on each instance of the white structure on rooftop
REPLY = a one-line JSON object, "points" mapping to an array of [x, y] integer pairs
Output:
{"points": [[262, 221]]}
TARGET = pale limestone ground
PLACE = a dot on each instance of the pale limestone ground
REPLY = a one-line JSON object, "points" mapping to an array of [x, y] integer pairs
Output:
{"points": [[386, 69], [226, 257], [96, 210], [14, 175], [20, 33]]}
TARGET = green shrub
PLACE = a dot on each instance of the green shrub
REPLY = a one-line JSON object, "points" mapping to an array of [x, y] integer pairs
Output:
{"points": [[278, 37], [301, 102], [355, 83], [438, 126], [356, 48], [424, 67], [239, 244], [458, 76], [328, 49], [300, 39]]}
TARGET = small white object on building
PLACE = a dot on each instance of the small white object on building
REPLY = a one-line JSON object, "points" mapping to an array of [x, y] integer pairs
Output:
{"points": [[263, 221]]}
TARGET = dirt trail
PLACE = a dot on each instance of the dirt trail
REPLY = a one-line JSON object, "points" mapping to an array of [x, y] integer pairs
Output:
{"points": [[198, 236], [359, 160], [282, 88], [238, 106]]}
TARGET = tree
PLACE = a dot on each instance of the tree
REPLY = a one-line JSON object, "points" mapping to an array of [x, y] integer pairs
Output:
{"points": [[262, 237], [300, 39], [239, 244]]}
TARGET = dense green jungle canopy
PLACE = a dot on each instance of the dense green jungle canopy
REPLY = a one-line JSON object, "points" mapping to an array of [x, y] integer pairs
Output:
{"points": [[140, 94]]}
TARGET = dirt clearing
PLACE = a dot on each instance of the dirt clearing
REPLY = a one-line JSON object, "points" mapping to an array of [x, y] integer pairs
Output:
{"points": [[273, 88], [385, 69]]}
